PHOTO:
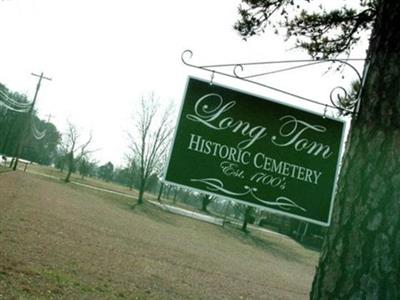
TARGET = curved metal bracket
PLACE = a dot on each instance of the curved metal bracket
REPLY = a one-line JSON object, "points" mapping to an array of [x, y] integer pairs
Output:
{"points": [[339, 97]]}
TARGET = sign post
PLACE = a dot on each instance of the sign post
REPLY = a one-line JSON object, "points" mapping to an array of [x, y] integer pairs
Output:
{"points": [[256, 151]]}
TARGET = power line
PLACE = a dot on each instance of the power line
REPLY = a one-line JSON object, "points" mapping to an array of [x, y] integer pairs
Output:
{"points": [[12, 104], [23, 131]]}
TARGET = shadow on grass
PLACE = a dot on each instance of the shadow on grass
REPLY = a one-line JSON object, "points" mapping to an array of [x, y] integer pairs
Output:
{"points": [[122, 201], [152, 212], [270, 246], [310, 247]]}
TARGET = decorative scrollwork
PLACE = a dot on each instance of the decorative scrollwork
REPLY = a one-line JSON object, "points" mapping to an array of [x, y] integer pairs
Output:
{"points": [[185, 54], [341, 100], [216, 185], [235, 70]]}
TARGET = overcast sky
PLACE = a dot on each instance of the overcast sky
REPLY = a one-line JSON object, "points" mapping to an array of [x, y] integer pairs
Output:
{"points": [[104, 55]]}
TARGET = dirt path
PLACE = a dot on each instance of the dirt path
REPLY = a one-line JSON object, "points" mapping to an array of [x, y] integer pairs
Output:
{"points": [[64, 241]]}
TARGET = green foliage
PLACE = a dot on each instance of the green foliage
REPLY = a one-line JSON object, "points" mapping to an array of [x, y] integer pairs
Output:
{"points": [[10, 123], [86, 167], [152, 183], [106, 171], [60, 161], [42, 150], [323, 33], [127, 176]]}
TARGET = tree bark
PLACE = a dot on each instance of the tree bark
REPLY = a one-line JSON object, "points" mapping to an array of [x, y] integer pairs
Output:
{"points": [[141, 190], [361, 255], [70, 166], [175, 195], [247, 214], [160, 192], [205, 202]]}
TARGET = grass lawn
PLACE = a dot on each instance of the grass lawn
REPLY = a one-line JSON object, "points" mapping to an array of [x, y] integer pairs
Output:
{"points": [[96, 182], [46, 170], [62, 241]]}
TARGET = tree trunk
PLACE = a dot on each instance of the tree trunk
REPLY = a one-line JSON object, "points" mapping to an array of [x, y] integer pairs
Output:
{"points": [[244, 225], [160, 192], [141, 191], [131, 187], [67, 178], [175, 195], [247, 214], [70, 166], [11, 163], [168, 190], [205, 202], [361, 255]]}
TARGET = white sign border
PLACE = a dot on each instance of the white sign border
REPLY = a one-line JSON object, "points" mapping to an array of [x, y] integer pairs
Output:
{"points": [[271, 210]]}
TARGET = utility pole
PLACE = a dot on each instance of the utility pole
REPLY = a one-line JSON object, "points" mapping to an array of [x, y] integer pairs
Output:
{"points": [[49, 116], [25, 122]]}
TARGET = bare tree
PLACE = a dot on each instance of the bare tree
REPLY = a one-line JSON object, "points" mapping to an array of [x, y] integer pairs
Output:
{"points": [[149, 139], [75, 150]]}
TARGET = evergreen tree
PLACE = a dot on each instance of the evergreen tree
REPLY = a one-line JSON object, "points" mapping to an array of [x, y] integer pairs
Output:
{"points": [[106, 171], [40, 138], [361, 254]]}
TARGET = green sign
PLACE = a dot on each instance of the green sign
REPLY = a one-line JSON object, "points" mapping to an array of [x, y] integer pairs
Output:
{"points": [[257, 151]]}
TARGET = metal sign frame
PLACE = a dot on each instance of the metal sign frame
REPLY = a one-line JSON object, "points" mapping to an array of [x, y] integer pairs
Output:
{"points": [[339, 97]]}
